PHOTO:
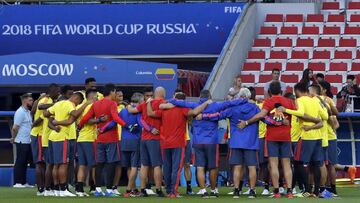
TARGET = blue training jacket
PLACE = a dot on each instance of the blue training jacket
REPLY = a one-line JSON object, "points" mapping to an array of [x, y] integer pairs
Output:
{"points": [[247, 138], [203, 131]]}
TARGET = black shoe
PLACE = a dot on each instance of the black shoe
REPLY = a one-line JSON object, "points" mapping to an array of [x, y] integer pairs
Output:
{"points": [[205, 195], [236, 194], [214, 195], [144, 194], [160, 193], [252, 194]]}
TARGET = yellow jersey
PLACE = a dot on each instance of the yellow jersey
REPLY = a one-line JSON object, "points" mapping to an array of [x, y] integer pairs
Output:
{"points": [[295, 129], [331, 131], [88, 133], [61, 111], [187, 131], [120, 107], [45, 128], [262, 125], [37, 130], [313, 108], [324, 129]]}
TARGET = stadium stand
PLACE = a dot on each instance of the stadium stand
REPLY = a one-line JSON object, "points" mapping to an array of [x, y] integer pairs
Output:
{"points": [[328, 42]]}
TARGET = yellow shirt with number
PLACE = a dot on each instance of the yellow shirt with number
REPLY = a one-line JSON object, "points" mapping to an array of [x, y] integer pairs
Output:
{"points": [[61, 111], [88, 133], [120, 107], [37, 130], [45, 129], [311, 107]]}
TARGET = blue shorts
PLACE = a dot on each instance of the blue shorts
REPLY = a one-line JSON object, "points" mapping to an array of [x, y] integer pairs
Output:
{"points": [[309, 151], [150, 153], [86, 153], [245, 157], [36, 148], [332, 152], [60, 152], [72, 150], [107, 152], [188, 152], [49, 158], [130, 158], [261, 152], [324, 156], [278, 149], [206, 155]]}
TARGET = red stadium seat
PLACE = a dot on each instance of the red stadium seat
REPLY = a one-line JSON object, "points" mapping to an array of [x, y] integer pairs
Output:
{"points": [[331, 30], [278, 55], [256, 55], [259, 91], [274, 18], [338, 66], [355, 67], [305, 42], [283, 42], [265, 78], [248, 78], [347, 42], [326, 42], [354, 5], [310, 30], [294, 78], [262, 42], [355, 18], [299, 55], [333, 78], [352, 30], [316, 66], [269, 66], [357, 54], [330, 6], [297, 66], [315, 18], [289, 89], [343, 55], [251, 66], [268, 30], [321, 55], [339, 18], [294, 18], [289, 30]]}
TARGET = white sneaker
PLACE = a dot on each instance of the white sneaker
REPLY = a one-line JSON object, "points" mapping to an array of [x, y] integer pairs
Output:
{"points": [[294, 191], [66, 193], [49, 193], [282, 191], [18, 185], [216, 191], [247, 192], [265, 192], [82, 194], [201, 192], [28, 186], [57, 193], [40, 193], [150, 192], [116, 192], [231, 193]]}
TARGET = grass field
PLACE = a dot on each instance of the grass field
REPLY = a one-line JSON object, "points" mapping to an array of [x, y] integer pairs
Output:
{"points": [[11, 195]]}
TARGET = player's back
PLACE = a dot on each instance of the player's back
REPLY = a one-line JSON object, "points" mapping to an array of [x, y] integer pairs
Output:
{"points": [[174, 127]]}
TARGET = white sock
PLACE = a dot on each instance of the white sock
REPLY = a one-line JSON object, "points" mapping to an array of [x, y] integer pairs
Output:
{"points": [[109, 190], [98, 189]]}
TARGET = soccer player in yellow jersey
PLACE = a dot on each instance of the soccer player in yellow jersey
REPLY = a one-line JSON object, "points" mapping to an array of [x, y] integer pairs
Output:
{"points": [[64, 114], [309, 146], [119, 99], [90, 83]]}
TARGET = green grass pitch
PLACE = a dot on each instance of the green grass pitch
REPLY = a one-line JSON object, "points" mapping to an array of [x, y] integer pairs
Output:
{"points": [[28, 195]]}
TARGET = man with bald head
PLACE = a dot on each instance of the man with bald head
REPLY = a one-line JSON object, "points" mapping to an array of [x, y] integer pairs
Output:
{"points": [[150, 150]]}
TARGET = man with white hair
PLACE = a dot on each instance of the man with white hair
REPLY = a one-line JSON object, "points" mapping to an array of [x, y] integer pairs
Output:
{"points": [[244, 143]]}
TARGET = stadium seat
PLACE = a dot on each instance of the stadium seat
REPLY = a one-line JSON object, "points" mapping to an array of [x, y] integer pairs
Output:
{"points": [[268, 32], [348, 44], [336, 19], [304, 43], [330, 8], [293, 78], [294, 67], [334, 90], [331, 31], [357, 58], [353, 8], [269, 66], [355, 68], [278, 56], [354, 20], [256, 55], [343, 54], [259, 91], [303, 55], [310, 31], [265, 78], [262, 42], [314, 20], [339, 67], [326, 44], [289, 30], [294, 20], [336, 78], [282, 44], [274, 20], [321, 54], [254, 66], [289, 89], [317, 66], [250, 78]]}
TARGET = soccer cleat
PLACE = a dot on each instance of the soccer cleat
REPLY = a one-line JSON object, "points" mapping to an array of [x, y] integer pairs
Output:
{"points": [[216, 191], [290, 195], [57, 193], [28, 185], [201, 192], [67, 193], [18, 185], [214, 194], [150, 192], [231, 193], [325, 194], [144, 194], [275, 195], [82, 194], [160, 194], [172, 196], [352, 173], [49, 193], [236, 194], [189, 191], [135, 193], [265, 192], [282, 191], [98, 194], [252, 194], [205, 195], [294, 191], [38, 193], [116, 192], [110, 194], [247, 192], [127, 194]]}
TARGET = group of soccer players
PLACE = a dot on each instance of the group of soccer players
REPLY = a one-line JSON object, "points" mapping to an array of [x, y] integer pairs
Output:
{"points": [[88, 135]]}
